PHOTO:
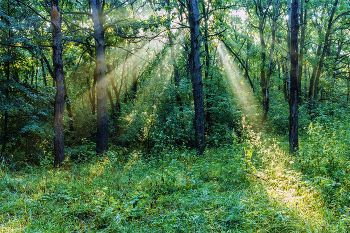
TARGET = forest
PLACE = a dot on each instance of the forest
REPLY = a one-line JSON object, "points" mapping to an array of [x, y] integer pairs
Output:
{"points": [[174, 116]]}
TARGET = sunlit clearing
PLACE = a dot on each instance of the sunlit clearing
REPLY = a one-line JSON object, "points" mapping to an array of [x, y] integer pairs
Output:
{"points": [[284, 185], [239, 86]]}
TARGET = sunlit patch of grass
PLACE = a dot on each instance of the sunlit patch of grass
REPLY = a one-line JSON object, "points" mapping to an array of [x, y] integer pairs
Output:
{"points": [[290, 189]]}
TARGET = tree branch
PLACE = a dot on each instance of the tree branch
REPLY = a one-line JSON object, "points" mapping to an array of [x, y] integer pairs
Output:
{"points": [[34, 11], [245, 68]]}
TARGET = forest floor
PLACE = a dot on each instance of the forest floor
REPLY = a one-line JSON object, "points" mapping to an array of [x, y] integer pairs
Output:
{"points": [[252, 186]]}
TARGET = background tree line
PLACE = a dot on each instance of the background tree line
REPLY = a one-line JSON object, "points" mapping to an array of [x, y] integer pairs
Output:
{"points": [[151, 74]]}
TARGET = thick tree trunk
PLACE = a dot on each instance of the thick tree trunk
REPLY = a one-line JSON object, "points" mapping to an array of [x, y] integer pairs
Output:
{"points": [[196, 75], [60, 94], [293, 107], [101, 86]]}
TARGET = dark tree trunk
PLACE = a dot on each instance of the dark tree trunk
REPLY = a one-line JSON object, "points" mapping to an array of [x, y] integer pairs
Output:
{"points": [[101, 86], [5, 129], [293, 93], [58, 70], [4, 138], [43, 72], [196, 75]]}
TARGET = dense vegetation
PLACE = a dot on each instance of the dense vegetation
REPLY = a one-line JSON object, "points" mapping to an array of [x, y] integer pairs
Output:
{"points": [[174, 116]]}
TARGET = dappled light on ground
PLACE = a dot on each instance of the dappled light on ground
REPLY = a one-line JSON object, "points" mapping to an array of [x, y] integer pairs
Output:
{"points": [[285, 186]]}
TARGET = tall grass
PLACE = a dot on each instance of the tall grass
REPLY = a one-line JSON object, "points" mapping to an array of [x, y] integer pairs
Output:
{"points": [[253, 186]]}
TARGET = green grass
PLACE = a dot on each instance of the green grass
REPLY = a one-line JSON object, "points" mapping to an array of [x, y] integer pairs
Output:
{"points": [[254, 186]]}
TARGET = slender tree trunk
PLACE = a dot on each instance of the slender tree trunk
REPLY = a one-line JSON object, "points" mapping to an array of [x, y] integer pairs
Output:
{"points": [[316, 73], [207, 65], [303, 23], [272, 49], [293, 107], [263, 82], [325, 49], [101, 86], [313, 75], [109, 93], [196, 75], [60, 94], [43, 72], [289, 51], [7, 73]]}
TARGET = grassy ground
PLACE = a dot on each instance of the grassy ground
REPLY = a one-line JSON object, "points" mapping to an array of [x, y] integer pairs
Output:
{"points": [[253, 186]]}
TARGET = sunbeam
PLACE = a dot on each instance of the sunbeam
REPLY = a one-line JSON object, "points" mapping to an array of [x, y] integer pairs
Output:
{"points": [[239, 86]]}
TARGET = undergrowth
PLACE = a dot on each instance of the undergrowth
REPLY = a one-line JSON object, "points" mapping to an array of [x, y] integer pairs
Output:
{"points": [[253, 186]]}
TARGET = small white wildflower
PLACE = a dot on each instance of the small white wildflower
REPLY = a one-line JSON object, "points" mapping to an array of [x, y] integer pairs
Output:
{"points": [[291, 162]]}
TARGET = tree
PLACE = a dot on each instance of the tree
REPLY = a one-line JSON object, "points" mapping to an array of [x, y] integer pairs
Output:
{"points": [[293, 92], [58, 69], [101, 85], [196, 75], [314, 81]]}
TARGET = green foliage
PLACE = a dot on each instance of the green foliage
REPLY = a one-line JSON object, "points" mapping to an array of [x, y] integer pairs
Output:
{"points": [[324, 157]]}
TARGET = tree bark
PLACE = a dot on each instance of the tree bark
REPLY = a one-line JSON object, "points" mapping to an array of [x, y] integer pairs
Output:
{"points": [[293, 93], [196, 75], [101, 86], [60, 94]]}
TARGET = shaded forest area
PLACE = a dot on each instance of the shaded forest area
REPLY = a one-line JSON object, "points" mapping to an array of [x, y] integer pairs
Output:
{"points": [[175, 115]]}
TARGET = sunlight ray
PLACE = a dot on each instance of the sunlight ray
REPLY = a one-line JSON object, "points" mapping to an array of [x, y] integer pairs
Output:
{"points": [[239, 86]]}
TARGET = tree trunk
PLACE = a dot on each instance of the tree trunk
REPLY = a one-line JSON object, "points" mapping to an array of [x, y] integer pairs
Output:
{"points": [[269, 72], [303, 23], [325, 48], [60, 94], [101, 86], [289, 51], [293, 93], [207, 65], [196, 75], [43, 72], [313, 75], [263, 83]]}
